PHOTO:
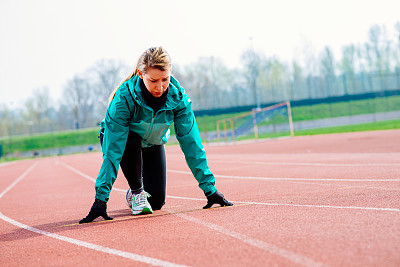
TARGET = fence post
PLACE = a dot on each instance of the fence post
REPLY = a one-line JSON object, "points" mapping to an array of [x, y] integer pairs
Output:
{"points": [[225, 131], [255, 124], [205, 135], [344, 84], [218, 132], [233, 130], [346, 93], [289, 110]]}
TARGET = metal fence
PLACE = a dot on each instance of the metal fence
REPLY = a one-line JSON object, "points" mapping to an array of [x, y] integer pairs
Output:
{"points": [[332, 86], [308, 91]]}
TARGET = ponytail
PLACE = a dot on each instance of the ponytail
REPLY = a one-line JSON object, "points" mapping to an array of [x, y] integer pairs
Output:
{"points": [[154, 57]]}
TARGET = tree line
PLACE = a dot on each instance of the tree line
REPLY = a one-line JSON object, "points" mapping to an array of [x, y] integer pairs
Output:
{"points": [[260, 79]]}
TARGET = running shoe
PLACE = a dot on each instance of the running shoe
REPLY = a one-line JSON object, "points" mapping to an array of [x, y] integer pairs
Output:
{"points": [[128, 198], [140, 204]]}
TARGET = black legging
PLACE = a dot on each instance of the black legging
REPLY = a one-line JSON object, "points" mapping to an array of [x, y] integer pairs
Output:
{"points": [[149, 163]]}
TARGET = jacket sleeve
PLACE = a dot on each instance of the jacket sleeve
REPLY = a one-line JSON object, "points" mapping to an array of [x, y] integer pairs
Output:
{"points": [[188, 135], [116, 130]]}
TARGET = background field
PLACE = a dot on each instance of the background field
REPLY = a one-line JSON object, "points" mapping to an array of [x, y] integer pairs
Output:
{"points": [[13, 146]]}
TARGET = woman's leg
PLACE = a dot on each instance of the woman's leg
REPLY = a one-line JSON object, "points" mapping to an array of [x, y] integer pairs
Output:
{"points": [[131, 162], [152, 161], [155, 175]]}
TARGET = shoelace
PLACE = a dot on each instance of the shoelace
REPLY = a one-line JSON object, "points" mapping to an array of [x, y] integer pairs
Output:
{"points": [[140, 199]]}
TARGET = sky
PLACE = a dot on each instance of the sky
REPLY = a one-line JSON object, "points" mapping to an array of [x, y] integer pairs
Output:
{"points": [[46, 42]]}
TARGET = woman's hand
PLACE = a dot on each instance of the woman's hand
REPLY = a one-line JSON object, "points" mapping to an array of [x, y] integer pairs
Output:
{"points": [[98, 209], [217, 198]]}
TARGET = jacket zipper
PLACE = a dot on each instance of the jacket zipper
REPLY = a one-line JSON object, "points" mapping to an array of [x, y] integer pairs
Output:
{"points": [[147, 135], [151, 124]]}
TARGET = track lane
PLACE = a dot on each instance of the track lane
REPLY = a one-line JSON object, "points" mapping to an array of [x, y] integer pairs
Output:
{"points": [[322, 225]]}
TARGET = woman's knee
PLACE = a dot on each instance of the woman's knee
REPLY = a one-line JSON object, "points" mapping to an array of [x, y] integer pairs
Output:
{"points": [[156, 202]]}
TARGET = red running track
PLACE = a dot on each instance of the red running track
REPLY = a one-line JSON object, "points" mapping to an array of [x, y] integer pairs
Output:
{"points": [[329, 200]]}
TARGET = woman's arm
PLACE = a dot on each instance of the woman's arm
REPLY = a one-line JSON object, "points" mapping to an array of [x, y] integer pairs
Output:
{"points": [[116, 130], [189, 139]]}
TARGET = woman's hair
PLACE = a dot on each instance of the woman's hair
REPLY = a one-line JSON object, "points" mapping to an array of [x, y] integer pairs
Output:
{"points": [[154, 57]]}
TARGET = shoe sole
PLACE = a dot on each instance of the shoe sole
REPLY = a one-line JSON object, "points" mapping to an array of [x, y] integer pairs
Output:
{"points": [[144, 211]]}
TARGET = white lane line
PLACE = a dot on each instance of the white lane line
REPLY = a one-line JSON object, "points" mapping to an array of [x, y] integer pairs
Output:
{"points": [[87, 176], [244, 202], [77, 171], [288, 178], [124, 254], [80, 243], [18, 179], [299, 259], [322, 206], [321, 164], [350, 186], [6, 164], [298, 205]]}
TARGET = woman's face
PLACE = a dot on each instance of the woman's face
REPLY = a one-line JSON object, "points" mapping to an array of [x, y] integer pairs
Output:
{"points": [[156, 81]]}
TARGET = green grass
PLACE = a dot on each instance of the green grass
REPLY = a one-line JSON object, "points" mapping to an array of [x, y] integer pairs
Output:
{"points": [[49, 140], [373, 126], [339, 109]]}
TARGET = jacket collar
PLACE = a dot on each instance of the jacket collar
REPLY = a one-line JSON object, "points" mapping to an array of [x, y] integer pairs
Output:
{"points": [[174, 97]]}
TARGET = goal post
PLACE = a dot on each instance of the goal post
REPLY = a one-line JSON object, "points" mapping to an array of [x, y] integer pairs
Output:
{"points": [[269, 122]]}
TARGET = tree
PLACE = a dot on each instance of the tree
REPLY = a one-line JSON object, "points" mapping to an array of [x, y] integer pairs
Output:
{"points": [[251, 64], [37, 109], [297, 72], [198, 83], [378, 49], [240, 90], [222, 80], [5, 121], [272, 79], [207, 82], [327, 63], [297, 87], [310, 60], [79, 99], [397, 47], [65, 118], [347, 64], [105, 76]]}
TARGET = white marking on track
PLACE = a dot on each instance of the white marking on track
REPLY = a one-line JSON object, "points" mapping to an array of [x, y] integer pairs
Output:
{"points": [[7, 163], [77, 171], [289, 178], [124, 254], [244, 202], [298, 205], [299, 259], [18, 179], [322, 164], [111, 251]]}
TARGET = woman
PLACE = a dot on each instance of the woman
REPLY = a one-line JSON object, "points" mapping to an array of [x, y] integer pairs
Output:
{"points": [[133, 134]]}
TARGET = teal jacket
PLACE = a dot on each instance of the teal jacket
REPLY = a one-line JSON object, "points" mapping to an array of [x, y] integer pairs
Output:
{"points": [[129, 112]]}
